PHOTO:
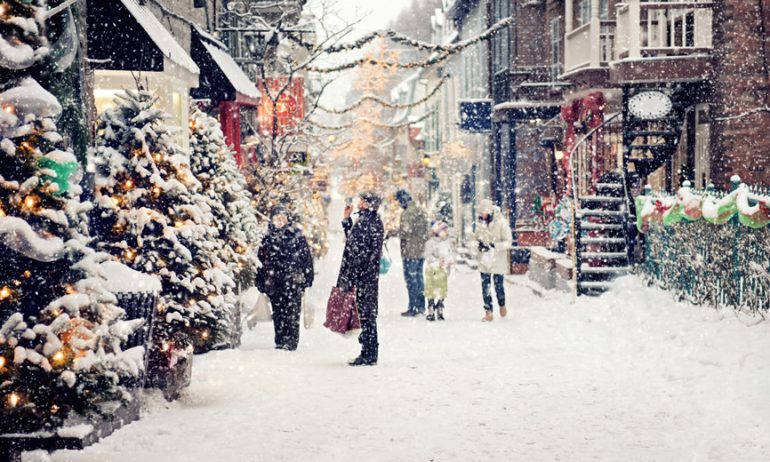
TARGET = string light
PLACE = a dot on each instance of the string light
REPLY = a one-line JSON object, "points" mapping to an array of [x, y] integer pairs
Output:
{"points": [[137, 152], [129, 254], [129, 184], [27, 274], [158, 157], [56, 312], [30, 201], [16, 282], [58, 356], [165, 346], [54, 408], [5, 292], [70, 289], [2, 362], [7, 108], [205, 334], [14, 399], [2, 212], [156, 191], [116, 201]]}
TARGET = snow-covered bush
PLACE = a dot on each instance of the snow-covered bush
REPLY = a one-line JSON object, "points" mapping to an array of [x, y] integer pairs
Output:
{"points": [[60, 328]]}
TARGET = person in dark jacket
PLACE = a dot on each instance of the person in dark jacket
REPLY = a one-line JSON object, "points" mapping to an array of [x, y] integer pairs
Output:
{"points": [[360, 270], [287, 270], [413, 233]]}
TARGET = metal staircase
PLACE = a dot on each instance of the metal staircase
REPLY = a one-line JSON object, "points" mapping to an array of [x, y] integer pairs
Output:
{"points": [[602, 246], [607, 165]]}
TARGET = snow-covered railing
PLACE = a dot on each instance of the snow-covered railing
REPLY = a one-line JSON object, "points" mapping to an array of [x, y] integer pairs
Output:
{"points": [[652, 28], [689, 253]]}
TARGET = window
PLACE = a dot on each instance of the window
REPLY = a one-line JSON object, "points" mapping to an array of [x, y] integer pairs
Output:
{"points": [[584, 11], [501, 43], [556, 55]]}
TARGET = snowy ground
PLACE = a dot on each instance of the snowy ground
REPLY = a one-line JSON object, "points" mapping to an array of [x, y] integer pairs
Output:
{"points": [[629, 376]]}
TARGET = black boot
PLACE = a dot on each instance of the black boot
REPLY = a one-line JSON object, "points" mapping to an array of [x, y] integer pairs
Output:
{"points": [[362, 361], [431, 316], [440, 310]]}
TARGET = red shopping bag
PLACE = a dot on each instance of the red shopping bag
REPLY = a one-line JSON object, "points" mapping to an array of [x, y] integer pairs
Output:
{"points": [[342, 314]]}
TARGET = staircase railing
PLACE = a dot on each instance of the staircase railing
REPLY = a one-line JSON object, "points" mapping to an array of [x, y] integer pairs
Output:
{"points": [[574, 187]]}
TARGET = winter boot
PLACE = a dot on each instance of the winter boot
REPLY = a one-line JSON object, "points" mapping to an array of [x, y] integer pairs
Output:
{"points": [[431, 316], [361, 361], [440, 310], [503, 311], [410, 313], [488, 316]]}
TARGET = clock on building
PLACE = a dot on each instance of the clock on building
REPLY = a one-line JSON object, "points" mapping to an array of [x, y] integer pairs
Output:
{"points": [[650, 105]]}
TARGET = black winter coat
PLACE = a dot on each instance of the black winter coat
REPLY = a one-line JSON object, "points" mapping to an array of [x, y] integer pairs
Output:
{"points": [[287, 264], [361, 260]]}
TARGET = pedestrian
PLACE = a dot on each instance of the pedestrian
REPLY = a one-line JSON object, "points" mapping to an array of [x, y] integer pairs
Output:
{"points": [[493, 241], [439, 258], [360, 270], [413, 233], [287, 270]]}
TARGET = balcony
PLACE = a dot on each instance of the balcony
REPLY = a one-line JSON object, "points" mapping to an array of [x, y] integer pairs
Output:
{"points": [[663, 41], [655, 29], [589, 47]]}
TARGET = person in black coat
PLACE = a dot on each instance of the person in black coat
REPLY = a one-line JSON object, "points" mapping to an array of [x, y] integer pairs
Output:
{"points": [[287, 270], [360, 270]]}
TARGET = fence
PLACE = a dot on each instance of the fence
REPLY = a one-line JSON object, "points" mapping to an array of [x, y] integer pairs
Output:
{"points": [[711, 264]]}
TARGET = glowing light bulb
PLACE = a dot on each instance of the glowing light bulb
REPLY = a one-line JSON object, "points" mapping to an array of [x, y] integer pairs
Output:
{"points": [[58, 356], [158, 157], [2, 362], [70, 289], [5, 292], [54, 409], [165, 346], [14, 399], [7, 108], [2, 212], [129, 184], [129, 254], [30, 202], [56, 312], [156, 191], [205, 334], [27, 274]]}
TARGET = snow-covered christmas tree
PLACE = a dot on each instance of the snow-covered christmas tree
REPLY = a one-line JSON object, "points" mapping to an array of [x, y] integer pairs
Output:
{"points": [[60, 328], [149, 211], [225, 191]]}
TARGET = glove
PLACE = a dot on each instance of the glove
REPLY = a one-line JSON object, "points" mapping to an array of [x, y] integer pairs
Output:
{"points": [[483, 247]]}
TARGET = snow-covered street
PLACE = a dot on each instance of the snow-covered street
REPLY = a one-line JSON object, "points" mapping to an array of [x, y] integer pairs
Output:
{"points": [[628, 376]]}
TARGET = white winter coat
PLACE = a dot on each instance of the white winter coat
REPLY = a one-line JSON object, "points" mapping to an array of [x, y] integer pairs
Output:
{"points": [[439, 250], [497, 232]]}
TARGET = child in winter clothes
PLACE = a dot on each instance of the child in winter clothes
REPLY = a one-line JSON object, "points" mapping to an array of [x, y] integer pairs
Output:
{"points": [[439, 258]]}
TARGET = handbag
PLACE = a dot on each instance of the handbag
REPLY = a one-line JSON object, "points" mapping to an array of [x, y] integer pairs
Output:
{"points": [[308, 312], [385, 261], [260, 313], [342, 315]]}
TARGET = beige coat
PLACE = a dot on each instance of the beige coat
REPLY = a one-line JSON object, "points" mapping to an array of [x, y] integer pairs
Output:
{"points": [[497, 232]]}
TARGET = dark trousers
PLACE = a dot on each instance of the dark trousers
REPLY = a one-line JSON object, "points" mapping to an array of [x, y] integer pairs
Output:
{"points": [[415, 284], [486, 280], [287, 306], [367, 298]]}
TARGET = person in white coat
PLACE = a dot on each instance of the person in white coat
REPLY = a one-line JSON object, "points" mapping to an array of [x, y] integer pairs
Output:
{"points": [[439, 258], [494, 241]]}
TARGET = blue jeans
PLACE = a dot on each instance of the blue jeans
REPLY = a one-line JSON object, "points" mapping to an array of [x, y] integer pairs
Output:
{"points": [[486, 280], [415, 284]]}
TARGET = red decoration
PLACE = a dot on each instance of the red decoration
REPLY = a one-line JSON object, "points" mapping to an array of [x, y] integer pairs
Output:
{"points": [[290, 105], [580, 116]]}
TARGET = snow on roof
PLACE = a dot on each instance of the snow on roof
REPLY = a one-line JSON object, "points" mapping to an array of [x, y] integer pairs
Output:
{"points": [[163, 39], [239, 80]]}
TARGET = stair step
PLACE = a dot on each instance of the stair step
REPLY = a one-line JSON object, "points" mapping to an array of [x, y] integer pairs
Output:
{"points": [[595, 285], [609, 185], [617, 270], [602, 240], [602, 199], [601, 226], [601, 213], [603, 255], [650, 133]]}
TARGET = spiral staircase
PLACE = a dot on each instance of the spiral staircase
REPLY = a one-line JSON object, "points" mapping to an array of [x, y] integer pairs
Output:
{"points": [[604, 233]]}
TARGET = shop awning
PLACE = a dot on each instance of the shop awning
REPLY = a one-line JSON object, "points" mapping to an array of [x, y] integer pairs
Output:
{"points": [[222, 79], [125, 35], [160, 35]]}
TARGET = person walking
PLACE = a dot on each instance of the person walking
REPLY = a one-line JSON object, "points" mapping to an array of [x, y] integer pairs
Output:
{"points": [[360, 270], [439, 258], [287, 270], [494, 240], [413, 233]]}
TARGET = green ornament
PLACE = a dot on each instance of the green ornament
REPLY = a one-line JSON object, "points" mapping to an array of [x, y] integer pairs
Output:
{"points": [[63, 172]]}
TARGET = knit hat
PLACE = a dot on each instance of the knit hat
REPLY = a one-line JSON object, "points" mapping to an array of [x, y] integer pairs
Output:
{"points": [[403, 198], [279, 210], [372, 199], [486, 207], [439, 227]]}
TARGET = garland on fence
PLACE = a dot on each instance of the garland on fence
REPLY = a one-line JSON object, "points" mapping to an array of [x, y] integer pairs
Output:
{"points": [[751, 209], [370, 122], [385, 103], [440, 53]]}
